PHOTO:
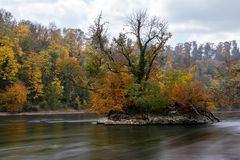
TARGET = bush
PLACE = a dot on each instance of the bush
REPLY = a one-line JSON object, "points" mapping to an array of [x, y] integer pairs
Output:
{"points": [[29, 107], [110, 94], [13, 99], [146, 98], [191, 95]]}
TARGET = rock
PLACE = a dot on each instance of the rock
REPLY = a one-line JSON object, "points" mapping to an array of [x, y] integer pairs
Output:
{"points": [[123, 119], [117, 116]]}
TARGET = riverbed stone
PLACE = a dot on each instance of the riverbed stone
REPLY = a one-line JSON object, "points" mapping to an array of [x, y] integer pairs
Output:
{"points": [[156, 119]]}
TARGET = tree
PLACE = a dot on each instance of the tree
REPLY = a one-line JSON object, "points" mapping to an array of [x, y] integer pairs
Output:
{"points": [[35, 37], [13, 99], [7, 24], [111, 93], [226, 89], [54, 94], [32, 71], [150, 36], [8, 66], [191, 97], [73, 39], [73, 79]]}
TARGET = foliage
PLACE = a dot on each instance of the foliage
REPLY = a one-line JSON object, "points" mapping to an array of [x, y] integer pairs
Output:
{"points": [[136, 72], [92, 63], [173, 77], [57, 51], [54, 94], [146, 97], [110, 94], [72, 78], [32, 73], [190, 96], [8, 65], [138, 54], [13, 99], [226, 90]]}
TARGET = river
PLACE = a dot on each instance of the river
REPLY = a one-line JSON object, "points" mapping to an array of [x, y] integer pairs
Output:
{"points": [[77, 137]]}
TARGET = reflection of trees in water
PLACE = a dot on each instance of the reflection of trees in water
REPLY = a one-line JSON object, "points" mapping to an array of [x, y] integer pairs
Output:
{"points": [[134, 142], [12, 134]]}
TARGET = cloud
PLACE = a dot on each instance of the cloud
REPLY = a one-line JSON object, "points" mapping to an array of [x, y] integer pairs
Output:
{"points": [[214, 37], [201, 20]]}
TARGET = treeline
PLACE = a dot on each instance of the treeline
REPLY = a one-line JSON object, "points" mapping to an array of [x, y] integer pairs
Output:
{"points": [[216, 65], [43, 64], [48, 68]]}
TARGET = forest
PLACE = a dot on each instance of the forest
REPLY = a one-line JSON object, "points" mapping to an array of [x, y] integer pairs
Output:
{"points": [[50, 68]]}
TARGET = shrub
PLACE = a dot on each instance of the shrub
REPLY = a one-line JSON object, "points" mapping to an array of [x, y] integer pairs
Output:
{"points": [[13, 99], [29, 107], [110, 93], [191, 95], [146, 98]]}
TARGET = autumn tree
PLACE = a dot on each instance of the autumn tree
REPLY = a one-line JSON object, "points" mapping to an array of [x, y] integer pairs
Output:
{"points": [[111, 93], [32, 71], [73, 40], [32, 37], [72, 77], [226, 89], [8, 65], [7, 24], [13, 99], [54, 94]]}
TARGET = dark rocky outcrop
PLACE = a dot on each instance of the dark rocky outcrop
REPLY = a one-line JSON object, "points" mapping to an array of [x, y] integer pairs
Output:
{"points": [[148, 119]]}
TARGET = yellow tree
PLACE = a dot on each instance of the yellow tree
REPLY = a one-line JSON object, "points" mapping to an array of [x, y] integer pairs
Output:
{"points": [[32, 72], [13, 99], [8, 66]]}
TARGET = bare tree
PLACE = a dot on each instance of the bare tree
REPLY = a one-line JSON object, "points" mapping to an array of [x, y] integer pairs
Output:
{"points": [[151, 36], [98, 37], [140, 47]]}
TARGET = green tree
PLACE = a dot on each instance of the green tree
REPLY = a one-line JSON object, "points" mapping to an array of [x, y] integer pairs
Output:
{"points": [[54, 94], [73, 79]]}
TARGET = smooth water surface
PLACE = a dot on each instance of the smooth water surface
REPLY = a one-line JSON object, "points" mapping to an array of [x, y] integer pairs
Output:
{"points": [[76, 137]]}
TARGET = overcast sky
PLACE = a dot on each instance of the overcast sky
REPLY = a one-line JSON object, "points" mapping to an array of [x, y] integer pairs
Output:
{"points": [[200, 20]]}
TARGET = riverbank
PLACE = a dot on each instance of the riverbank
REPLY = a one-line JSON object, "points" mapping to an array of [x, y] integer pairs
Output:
{"points": [[43, 113]]}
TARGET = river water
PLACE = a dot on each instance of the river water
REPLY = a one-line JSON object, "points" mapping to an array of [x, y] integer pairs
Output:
{"points": [[77, 137]]}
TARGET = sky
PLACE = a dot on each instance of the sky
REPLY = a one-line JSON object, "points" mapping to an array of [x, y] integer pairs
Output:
{"points": [[189, 20]]}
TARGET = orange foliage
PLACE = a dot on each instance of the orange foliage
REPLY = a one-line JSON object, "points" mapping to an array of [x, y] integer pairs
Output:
{"points": [[191, 95], [14, 98], [111, 93]]}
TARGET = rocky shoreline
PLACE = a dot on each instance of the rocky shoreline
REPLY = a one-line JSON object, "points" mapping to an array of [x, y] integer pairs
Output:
{"points": [[149, 119]]}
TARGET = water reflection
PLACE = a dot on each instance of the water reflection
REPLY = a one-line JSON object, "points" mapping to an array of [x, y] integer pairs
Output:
{"points": [[74, 137]]}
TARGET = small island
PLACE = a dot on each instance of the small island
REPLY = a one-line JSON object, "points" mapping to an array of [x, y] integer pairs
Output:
{"points": [[136, 90], [153, 119]]}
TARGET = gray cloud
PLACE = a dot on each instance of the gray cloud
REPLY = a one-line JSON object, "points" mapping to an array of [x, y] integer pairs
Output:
{"points": [[201, 20], [219, 15]]}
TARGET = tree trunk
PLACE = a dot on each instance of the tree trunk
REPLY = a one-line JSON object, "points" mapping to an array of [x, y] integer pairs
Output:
{"points": [[141, 68]]}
